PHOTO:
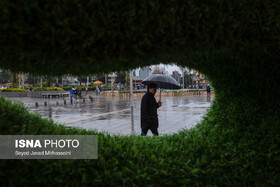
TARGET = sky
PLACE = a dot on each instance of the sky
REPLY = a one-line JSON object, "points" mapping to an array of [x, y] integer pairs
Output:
{"points": [[168, 68]]}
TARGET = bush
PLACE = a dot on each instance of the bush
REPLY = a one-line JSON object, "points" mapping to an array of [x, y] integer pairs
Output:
{"points": [[234, 44], [208, 154], [28, 88], [106, 86], [13, 90], [47, 89]]}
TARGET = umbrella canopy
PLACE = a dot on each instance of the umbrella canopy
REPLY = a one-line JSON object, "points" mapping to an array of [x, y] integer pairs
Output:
{"points": [[97, 82], [163, 81]]}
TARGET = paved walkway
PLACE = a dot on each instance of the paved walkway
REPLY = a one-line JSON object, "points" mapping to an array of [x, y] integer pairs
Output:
{"points": [[112, 114]]}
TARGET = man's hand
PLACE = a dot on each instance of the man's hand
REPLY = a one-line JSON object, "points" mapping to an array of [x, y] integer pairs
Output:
{"points": [[159, 103]]}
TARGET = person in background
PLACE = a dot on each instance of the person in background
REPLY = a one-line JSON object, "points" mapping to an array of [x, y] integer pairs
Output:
{"points": [[97, 90], [76, 95], [80, 93], [208, 89], [118, 86], [72, 93]]}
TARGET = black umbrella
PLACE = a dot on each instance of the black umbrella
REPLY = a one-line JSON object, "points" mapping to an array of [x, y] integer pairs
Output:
{"points": [[163, 81]]}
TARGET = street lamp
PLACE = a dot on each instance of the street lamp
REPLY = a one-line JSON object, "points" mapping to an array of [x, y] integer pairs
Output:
{"points": [[131, 103], [183, 79]]}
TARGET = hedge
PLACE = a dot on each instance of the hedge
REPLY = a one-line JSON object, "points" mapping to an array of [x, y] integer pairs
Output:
{"points": [[79, 37], [47, 89], [209, 154], [12, 90], [235, 44]]}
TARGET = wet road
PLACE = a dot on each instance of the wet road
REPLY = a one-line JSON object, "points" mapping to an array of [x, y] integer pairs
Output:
{"points": [[112, 114]]}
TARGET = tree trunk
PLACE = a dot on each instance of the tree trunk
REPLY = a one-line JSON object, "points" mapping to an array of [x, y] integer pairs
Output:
{"points": [[33, 81], [15, 80], [49, 81]]}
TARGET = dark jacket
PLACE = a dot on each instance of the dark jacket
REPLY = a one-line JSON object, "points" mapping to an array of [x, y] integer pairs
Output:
{"points": [[149, 106]]}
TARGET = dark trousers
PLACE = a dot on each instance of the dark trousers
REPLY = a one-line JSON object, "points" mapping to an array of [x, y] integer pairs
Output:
{"points": [[145, 130]]}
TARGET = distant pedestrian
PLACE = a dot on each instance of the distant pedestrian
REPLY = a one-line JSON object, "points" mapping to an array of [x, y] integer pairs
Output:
{"points": [[72, 93], [208, 89], [97, 90], [118, 86], [79, 93], [76, 92], [149, 106]]}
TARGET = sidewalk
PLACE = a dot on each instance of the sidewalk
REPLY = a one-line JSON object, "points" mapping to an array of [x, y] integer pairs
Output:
{"points": [[112, 113]]}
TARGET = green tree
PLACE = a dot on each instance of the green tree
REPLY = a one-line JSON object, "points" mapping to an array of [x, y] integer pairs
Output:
{"points": [[82, 79], [5, 76], [121, 77], [15, 80]]}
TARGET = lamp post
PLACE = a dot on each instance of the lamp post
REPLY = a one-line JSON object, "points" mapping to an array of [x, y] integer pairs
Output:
{"points": [[19, 80], [131, 103], [183, 79], [23, 80]]}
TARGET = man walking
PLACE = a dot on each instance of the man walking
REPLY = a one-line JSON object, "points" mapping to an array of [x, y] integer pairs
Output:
{"points": [[149, 106]]}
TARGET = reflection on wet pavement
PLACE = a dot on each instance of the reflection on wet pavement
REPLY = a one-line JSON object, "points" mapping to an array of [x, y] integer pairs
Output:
{"points": [[112, 113]]}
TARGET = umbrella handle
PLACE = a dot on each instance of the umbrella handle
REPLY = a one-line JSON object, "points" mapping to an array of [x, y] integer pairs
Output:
{"points": [[160, 95]]}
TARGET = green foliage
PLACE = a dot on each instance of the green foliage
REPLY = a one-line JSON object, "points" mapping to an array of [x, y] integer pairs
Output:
{"points": [[234, 43], [45, 84], [28, 87], [94, 37], [209, 154], [5, 76], [13, 90], [47, 89], [107, 86]]}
